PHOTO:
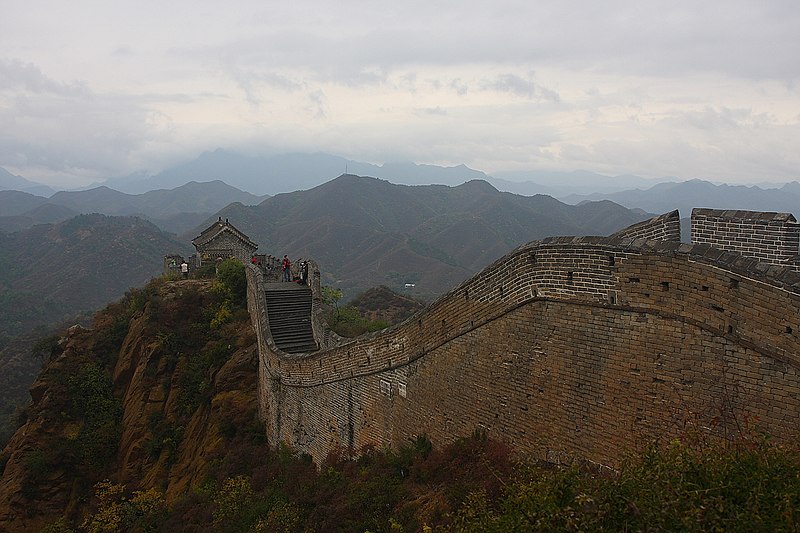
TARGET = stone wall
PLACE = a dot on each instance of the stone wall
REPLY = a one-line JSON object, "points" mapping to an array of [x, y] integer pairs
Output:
{"points": [[582, 347], [666, 227], [771, 237], [223, 246]]}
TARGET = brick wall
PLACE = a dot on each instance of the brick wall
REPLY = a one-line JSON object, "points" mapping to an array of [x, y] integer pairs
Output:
{"points": [[226, 245], [666, 227], [567, 347], [770, 237]]}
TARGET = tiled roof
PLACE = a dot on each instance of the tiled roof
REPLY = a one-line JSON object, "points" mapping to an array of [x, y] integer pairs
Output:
{"points": [[219, 227]]}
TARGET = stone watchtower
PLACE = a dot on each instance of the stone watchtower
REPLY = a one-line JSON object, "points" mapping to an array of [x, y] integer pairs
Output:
{"points": [[222, 240]]}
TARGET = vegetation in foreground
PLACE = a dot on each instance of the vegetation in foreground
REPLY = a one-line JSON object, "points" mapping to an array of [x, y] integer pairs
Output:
{"points": [[473, 485]]}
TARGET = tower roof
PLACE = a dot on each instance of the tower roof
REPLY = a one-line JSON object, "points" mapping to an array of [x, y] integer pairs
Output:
{"points": [[219, 227]]}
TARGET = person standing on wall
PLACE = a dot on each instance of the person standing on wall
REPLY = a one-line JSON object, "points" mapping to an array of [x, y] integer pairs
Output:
{"points": [[304, 273], [287, 268], [185, 269]]}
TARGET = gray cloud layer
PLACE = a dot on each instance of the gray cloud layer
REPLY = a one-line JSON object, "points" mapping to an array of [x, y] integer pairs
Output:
{"points": [[692, 89]]}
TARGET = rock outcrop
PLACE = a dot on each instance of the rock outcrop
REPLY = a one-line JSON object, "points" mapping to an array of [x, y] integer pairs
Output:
{"points": [[178, 391]]}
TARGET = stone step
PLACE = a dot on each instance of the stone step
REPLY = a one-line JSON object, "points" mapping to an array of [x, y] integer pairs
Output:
{"points": [[289, 313]]}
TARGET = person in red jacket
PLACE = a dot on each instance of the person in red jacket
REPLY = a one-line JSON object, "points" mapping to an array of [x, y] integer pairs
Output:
{"points": [[287, 268]]}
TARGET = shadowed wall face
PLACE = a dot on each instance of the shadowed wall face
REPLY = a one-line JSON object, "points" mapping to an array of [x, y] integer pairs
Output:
{"points": [[569, 347]]}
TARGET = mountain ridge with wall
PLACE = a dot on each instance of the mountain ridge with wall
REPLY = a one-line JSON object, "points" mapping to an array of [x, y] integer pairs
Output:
{"points": [[569, 347]]}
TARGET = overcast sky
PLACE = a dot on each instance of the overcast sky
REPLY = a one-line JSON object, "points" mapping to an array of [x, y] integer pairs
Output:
{"points": [[708, 89]]}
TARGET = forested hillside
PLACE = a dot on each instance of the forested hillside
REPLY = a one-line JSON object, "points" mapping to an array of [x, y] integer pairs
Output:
{"points": [[366, 232], [54, 274], [174, 210]]}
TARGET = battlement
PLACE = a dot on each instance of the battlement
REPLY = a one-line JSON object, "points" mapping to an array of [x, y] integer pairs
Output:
{"points": [[666, 227], [569, 347], [767, 236], [566, 347]]}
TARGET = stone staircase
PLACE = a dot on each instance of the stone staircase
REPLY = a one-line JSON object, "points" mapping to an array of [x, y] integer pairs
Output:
{"points": [[289, 314]]}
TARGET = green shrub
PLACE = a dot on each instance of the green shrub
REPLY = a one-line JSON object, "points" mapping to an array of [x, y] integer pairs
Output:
{"points": [[46, 347], [207, 271], [232, 498], [163, 436], [347, 321], [231, 275], [751, 486], [116, 511], [93, 402], [59, 526], [197, 377]]}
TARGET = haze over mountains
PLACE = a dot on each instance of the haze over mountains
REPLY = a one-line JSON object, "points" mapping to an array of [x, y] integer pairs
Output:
{"points": [[174, 210], [9, 181], [697, 193], [287, 172], [275, 174], [269, 175], [366, 232]]}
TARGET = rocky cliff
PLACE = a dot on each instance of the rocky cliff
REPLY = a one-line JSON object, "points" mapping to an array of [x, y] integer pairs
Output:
{"points": [[155, 395]]}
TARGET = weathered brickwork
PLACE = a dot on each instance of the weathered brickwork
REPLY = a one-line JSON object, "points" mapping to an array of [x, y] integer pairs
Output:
{"points": [[222, 240], [771, 237], [568, 347], [666, 227]]}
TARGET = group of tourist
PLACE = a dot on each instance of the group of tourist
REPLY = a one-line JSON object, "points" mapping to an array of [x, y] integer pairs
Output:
{"points": [[286, 268], [302, 271], [184, 267]]}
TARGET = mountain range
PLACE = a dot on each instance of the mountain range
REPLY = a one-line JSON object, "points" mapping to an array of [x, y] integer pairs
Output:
{"points": [[686, 195], [9, 181], [55, 274], [297, 171], [287, 172], [290, 172], [366, 232], [174, 210], [262, 175]]}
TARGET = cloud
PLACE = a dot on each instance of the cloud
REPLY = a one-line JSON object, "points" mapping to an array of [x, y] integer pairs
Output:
{"points": [[706, 87], [65, 129], [526, 88], [428, 111], [460, 87], [318, 104], [16, 75], [724, 144]]}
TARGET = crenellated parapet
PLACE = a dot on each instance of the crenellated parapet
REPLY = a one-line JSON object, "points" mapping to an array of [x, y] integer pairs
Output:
{"points": [[767, 236], [567, 347], [666, 227]]}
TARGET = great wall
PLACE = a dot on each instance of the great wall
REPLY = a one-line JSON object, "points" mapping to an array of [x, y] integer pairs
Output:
{"points": [[570, 347]]}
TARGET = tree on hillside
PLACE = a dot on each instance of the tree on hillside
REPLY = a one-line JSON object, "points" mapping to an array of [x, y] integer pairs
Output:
{"points": [[331, 296]]}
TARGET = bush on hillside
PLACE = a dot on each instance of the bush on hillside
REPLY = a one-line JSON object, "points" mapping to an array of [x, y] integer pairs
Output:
{"points": [[753, 486], [231, 276], [347, 321]]}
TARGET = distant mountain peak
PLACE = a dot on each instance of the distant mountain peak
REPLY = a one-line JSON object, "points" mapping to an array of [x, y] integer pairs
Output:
{"points": [[12, 182], [477, 186], [288, 172]]}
